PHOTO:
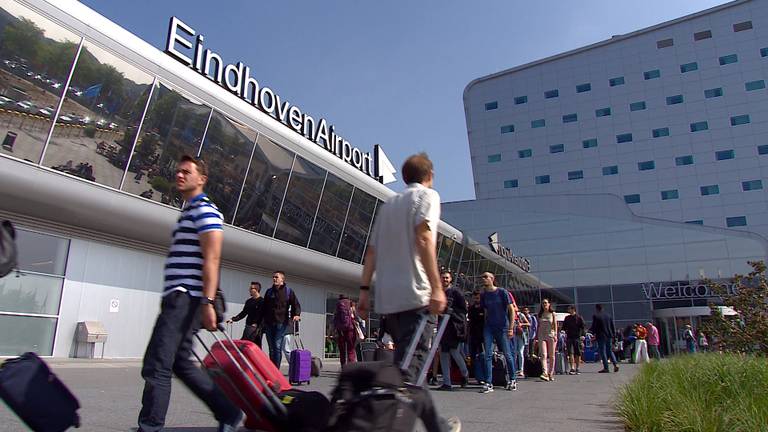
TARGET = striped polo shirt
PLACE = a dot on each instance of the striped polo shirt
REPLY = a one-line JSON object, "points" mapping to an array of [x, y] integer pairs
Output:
{"points": [[184, 265]]}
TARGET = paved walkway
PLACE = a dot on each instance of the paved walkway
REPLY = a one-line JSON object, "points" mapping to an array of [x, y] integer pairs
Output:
{"points": [[110, 391]]}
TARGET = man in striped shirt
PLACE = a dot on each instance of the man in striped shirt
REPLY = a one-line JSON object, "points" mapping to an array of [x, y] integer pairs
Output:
{"points": [[191, 279]]}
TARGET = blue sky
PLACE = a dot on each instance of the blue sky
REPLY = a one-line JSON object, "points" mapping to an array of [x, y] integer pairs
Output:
{"points": [[393, 73]]}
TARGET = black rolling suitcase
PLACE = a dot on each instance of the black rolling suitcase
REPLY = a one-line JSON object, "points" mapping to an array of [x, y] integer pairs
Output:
{"points": [[374, 397], [36, 395], [499, 370]]}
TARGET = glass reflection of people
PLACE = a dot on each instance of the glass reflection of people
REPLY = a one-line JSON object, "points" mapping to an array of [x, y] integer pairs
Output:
{"points": [[253, 312]]}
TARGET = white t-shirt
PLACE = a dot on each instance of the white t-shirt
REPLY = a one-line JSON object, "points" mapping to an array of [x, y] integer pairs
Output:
{"points": [[401, 282]]}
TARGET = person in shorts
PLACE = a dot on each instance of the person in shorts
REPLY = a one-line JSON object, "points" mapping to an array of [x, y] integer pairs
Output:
{"points": [[574, 328]]}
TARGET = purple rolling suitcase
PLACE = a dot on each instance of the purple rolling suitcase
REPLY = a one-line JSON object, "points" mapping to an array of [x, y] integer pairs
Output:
{"points": [[299, 362]]}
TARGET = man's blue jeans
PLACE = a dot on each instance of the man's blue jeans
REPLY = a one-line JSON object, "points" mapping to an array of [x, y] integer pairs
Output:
{"points": [[500, 336], [604, 348], [276, 341]]}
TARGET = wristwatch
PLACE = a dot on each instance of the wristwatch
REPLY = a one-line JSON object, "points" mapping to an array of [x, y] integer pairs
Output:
{"points": [[206, 301]]}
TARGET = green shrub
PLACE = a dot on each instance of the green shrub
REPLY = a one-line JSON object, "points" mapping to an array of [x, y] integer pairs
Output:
{"points": [[698, 393]]}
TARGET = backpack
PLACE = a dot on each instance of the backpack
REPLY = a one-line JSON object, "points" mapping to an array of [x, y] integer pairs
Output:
{"points": [[342, 318], [8, 251]]}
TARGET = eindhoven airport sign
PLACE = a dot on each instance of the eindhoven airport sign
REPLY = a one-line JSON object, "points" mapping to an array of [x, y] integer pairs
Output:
{"points": [[682, 290], [237, 79], [506, 253]]}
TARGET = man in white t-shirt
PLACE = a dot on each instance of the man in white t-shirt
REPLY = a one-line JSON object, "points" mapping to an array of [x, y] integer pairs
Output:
{"points": [[402, 251]]}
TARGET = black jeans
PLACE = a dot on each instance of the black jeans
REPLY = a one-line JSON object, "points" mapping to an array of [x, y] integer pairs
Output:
{"points": [[169, 351], [402, 326]]}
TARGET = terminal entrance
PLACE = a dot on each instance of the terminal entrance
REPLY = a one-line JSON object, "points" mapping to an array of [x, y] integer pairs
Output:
{"points": [[671, 324]]}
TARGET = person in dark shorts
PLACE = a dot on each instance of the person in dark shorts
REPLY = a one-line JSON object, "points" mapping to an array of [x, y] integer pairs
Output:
{"points": [[574, 328]]}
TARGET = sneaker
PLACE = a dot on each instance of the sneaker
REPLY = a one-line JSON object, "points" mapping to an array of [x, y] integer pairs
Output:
{"points": [[544, 377], [615, 368], [572, 372], [521, 374], [454, 424], [464, 382], [444, 388], [512, 386], [577, 372], [603, 371], [551, 378], [432, 381], [487, 388], [231, 427], [508, 387]]}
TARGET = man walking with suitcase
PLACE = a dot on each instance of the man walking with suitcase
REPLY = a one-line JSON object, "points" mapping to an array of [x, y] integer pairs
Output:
{"points": [[402, 251], [253, 312], [281, 313], [191, 281]]}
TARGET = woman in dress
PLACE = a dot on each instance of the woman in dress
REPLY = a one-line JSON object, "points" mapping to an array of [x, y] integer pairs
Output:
{"points": [[546, 333]]}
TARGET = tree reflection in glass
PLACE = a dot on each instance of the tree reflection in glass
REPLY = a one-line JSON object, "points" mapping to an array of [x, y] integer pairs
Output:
{"points": [[356, 229], [301, 201]]}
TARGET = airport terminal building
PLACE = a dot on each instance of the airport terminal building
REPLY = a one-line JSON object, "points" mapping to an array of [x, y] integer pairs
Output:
{"points": [[92, 121], [630, 169]]}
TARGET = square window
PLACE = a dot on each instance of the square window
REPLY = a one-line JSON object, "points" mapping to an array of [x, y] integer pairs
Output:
{"points": [[725, 155], [522, 154], [581, 88], [736, 221], [660, 132], [762, 149], [509, 184], [728, 59], [699, 126], [695, 222], [610, 170], [489, 106], [570, 118], [637, 106], [652, 74], [674, 100], [632, 199], [746, 25], [521, 100], [550, 94], [592, 142], [602, 112], [689, 67], [494, 158], [751, 185], [538, 123], [646, 166], [684, 160], [706, 34], [613, 82], [507, 129], [669, 194], [623, 138], [575, 175], [763, 52], [740, 120], [754, 85], [713, 92], [665, 43], [710, 190], [542, 179], [557, 148]]}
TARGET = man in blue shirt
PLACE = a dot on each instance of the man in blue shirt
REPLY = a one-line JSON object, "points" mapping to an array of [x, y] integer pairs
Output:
{"points": [[499, 315]]}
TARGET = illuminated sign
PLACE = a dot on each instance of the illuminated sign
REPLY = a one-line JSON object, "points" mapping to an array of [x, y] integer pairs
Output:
{"points": [[237, 79], [506, 253]]}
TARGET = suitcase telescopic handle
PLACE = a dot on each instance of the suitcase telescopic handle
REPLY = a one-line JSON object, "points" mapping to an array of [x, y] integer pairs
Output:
{"points": [[442, 325]]}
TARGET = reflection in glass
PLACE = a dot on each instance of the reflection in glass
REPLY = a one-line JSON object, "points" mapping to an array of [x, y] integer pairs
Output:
{"points": [[36, 56], [456, 257], [444, 255], [41, 253], [264, 187], [356, 229], [98, 120], [301, 201], [30, 293], [227, 151], [174, 126], [22, 334], [330, 216]]}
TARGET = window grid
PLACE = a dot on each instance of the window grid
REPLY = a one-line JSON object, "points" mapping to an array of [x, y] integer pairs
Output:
{"points": [[674, 100], [551, 94], [542, 179], [613, 82], [728, 59], [670, 194], [646, 165], [652, 74], [490, 106], [632, 199], [507, 129], [582, 88], [751, 185], [521, 100], [684, 160], [610, 170], [570, 118], [713, 92], [526, 153], [705, 34], [740, 120], [699, 126], [603, 112], [660, 132], [725, 155], [510, 184], [637, 106], [590, 143], [540, 123], [557, 148], [576, 175], [710, 190], [665, 43], [494, 158], [689, 67], [746, 25], [736, 221], [754, 85], [623, 138]]}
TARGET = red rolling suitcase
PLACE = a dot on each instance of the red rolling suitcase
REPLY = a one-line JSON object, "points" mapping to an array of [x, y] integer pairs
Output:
{"points": [[299, 362]]}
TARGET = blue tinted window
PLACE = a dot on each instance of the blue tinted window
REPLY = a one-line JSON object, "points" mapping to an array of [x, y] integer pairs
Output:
{"points": [[521, 100], [689, 67], [699, 126], [754, 85], [653, 74], [570, 118], [713, 92], [494, 158], [522, 154], [610, 170], [740, 120], [762, 149], [695, 222], [674, 100], [725, 60], [613, 82], [660, 132], [710, 190], [684, 160], [557, 148], [623, 138], [637, 106], [542, 179], [632, 199], [752, 185], [507, 129], [581, 88], [736, 221], [646, 165], [589, 143], [509, 184], [491, 105], [669, 194], [602, 112], [575, 175], [538, 123], [725, 155], [549, 94], [763, 52]]}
